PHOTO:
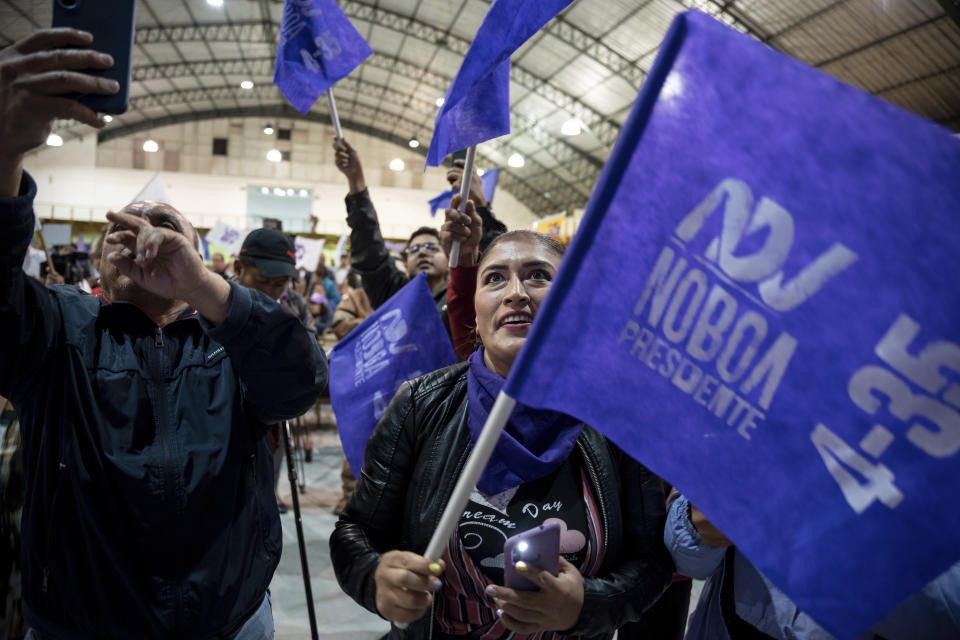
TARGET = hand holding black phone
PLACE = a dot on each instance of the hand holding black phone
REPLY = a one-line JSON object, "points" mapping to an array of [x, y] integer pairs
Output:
{"points": [[112, 24]]}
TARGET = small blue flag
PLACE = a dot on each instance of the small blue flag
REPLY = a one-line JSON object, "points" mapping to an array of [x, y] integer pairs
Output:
{"points": [[317, 46], [763, 307], [403, 339], [477, 104], [489, 180]]}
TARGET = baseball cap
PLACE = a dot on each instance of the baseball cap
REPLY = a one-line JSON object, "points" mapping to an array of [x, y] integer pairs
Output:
{"points": [[272, 252]]}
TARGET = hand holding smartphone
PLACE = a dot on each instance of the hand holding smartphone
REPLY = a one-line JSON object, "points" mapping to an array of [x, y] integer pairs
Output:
{"points": [[112, 24], [538, 547]]}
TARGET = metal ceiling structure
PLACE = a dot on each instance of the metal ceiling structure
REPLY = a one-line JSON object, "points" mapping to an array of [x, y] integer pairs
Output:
{"points": [[190, 58]]}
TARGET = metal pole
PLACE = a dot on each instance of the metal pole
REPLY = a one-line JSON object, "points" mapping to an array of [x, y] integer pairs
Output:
{"points": [[292, 473], [464, 192]]}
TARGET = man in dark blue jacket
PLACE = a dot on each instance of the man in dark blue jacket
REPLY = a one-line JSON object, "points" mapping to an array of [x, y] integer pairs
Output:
{"points": [[149, 508]]}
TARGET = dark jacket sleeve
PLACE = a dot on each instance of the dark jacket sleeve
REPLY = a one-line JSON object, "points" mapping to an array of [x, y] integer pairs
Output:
{"points": [[30, 322], [491, 226], [368, 253], [644, 570], [280, 364], [371, 524]]}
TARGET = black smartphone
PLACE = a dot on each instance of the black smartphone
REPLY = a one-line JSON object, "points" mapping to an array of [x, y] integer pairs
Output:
{"points": [[112, 24]]}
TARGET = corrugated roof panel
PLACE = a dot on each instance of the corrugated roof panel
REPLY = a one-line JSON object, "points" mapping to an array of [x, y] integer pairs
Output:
{"points": [[642, 33], [548, 56], [468, 20], [599, 18], [581, 75], [611, 95]]}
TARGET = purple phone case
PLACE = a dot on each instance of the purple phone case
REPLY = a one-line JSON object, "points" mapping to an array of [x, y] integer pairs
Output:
{"points": [[542, 552]]}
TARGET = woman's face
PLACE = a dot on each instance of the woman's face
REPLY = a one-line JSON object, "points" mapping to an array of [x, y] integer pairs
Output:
{"points": [[513, 280]]}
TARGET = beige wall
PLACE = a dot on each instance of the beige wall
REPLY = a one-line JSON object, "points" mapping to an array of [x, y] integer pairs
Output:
{"points": [[82, 180]]}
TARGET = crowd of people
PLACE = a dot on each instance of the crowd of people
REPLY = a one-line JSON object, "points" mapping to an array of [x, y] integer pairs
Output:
{"points": [[141, 406]]}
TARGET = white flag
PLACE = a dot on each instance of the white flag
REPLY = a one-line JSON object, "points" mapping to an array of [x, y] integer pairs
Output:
{"points": [[155, 191], [225, 236], [308, 253]]}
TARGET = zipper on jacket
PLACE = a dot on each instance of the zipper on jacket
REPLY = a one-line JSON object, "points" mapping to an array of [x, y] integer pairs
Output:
{"points": [[589, 463], [162, 426]]}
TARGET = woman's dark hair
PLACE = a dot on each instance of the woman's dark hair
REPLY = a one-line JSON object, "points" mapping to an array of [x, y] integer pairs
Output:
{"points": [[545, 240]]}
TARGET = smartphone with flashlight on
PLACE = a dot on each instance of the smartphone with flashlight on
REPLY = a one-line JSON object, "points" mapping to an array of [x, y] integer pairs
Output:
{"points": [[112, 24], [538, 547]]}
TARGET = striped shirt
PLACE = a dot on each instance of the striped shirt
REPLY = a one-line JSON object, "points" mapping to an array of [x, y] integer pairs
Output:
{"points": [[464, 609]]}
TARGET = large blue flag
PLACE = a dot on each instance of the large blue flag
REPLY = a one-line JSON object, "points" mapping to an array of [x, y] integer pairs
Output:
{"points": [[477, 104], [489, 180], [761, 305], [317, 46], [403, 339]]}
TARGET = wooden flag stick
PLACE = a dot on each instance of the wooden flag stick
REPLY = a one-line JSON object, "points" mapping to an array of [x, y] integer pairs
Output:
{"points": [[46, 254]]}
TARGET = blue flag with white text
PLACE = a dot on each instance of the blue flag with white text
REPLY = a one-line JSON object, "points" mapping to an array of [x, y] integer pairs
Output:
{"points": [[489, 181], [317, 47], [403, 339], [761, 306], [477, 104]]}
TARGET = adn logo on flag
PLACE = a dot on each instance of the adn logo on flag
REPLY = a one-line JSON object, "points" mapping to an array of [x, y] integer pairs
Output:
{"points": [[317, 47], [760, 305], [403, 339]]}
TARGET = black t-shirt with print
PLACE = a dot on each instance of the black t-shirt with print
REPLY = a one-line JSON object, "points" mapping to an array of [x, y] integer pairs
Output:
{"points": [[487, 521]]}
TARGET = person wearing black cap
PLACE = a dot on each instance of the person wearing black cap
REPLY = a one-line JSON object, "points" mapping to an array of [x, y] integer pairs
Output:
{"points": [[267, 262]]}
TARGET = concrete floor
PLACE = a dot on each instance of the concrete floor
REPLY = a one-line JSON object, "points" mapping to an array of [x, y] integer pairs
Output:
{"points": [[338, 616]]}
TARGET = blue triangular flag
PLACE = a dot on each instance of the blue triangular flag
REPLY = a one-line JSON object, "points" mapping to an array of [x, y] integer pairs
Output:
{"points": [[317, 46], [403, 339], [489, 181], [762, 302], [477, 104]]}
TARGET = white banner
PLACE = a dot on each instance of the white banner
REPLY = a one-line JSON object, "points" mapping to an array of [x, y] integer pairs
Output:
{"points": [[308, 253], [225, 236]]}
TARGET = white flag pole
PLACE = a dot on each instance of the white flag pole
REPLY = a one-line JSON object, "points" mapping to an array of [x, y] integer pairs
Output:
{"points": [[477, 461], [464, 192], [333, 114]]}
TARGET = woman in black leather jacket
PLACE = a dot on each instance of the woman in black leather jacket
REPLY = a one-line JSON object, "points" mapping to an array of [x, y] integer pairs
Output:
{"points": [[546, 466]]}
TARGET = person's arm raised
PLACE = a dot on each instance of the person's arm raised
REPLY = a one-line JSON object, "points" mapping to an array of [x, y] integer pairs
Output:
{"points": [[34, 72]]}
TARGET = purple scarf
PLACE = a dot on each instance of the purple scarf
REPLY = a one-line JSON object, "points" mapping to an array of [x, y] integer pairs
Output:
{"points": [[534, 443]]}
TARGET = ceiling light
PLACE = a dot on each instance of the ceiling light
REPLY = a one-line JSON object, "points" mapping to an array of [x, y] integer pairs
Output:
{"points": [[54, 140], [265, 191], [277, 191], [108, 118], [151, 146], [480, 172], [303, 193], [571, 127], [274, 155], [268, 130], [289, 192], [397, 164], [439, 102], [215, 3], [516, 160], [414, 143], [246, 84]]}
